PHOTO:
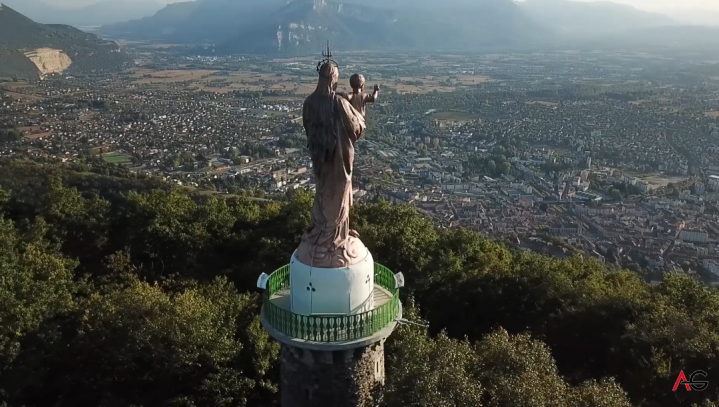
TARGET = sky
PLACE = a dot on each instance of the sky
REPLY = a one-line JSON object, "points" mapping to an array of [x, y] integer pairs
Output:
{"points": [[81, 3], [653, 5], [669, 5]]}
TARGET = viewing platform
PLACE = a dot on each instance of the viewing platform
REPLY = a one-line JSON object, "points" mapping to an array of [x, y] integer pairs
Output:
{"points": [[324, 331]]}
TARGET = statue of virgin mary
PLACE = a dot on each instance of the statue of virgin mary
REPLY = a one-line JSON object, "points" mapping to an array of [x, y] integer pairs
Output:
{"points": [[332, 126]]}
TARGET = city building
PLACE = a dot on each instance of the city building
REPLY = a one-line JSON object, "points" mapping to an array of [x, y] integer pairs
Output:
{"points": [[714, 182], [694, 236]]}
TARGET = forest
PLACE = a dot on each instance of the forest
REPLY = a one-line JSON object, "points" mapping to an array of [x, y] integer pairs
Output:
{"points": [[123, 291]]}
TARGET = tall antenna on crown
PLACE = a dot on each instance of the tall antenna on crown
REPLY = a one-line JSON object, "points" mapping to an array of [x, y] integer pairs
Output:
{"points": [[326, 57]]}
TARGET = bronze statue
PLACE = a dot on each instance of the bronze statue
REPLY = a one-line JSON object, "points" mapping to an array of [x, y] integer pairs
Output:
{"points": [[332, 126], [358, 97]]}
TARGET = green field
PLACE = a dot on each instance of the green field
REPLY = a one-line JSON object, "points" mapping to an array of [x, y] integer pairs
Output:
{"points": [[117, 158], [453, 115]]}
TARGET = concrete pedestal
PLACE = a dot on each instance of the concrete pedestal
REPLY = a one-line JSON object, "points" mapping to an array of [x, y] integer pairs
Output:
{"points": [[342, 378]]}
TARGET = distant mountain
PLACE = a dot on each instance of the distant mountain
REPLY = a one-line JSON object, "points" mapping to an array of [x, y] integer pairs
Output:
{"points": [[29, 49], [107, 12], [697, 17], [696, 39], [591, 18], [205, 21], [302, 25], [271, 26]]}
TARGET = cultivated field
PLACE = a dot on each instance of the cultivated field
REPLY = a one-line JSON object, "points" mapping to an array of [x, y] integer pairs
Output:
{"points": [[428, 84], [542, 103], [224, 82], [453, 116], [660, 180], [117, 158], [301, 84], [35, 136], [20, 91]]}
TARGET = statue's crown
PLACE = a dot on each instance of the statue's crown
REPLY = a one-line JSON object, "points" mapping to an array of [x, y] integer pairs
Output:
{"points": [[327, 58]]}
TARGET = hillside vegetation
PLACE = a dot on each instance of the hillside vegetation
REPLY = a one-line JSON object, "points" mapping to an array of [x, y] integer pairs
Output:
{"points": [[19, 34], [116, 293]]}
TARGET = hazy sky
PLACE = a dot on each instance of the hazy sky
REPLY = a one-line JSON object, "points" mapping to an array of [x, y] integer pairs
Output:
{"points": [[669, 5], [80, 3], [654, 5]]}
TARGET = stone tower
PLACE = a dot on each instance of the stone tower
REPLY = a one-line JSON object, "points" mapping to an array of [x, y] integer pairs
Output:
{"points": [[332, 325]]}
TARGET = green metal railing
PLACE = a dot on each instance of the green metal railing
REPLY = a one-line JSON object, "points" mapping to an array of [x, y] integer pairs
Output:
{"points": [[330, 328]]}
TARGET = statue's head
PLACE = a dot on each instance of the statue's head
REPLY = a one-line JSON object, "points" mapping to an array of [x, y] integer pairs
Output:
{"points": [[357, 81], [329, 72]]}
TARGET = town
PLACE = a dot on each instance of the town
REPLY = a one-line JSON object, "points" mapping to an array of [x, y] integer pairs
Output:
{"points": [[611, 155]]}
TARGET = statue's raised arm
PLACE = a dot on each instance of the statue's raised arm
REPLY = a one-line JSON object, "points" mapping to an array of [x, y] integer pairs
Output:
{"points": [[332, 126]]}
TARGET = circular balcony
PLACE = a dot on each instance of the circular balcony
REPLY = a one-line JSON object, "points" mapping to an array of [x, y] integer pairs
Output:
{"points": [[340, 330]]}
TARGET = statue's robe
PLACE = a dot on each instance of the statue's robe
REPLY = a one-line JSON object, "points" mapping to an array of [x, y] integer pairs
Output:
{"points": [[332, 126]]}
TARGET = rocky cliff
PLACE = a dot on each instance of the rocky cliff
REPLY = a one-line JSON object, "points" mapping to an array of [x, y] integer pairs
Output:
{"points": [[49, 60], [304, 24]]}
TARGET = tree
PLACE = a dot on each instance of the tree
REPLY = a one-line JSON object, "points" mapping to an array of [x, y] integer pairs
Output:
{"points": [[36, 286], [505, 168], [10, 135], [140, 345], [145, 317], [491, 167], [500, 370], [75, 222]]}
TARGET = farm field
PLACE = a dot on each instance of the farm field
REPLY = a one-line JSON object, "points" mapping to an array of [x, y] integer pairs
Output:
{"points": [[542, 103], [225, 82], [453, 115], [229, 81], [20, 91], [660, 180], [117, 158]]}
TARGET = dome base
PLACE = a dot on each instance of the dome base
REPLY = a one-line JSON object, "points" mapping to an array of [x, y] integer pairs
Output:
{"points": [[332, 291]]}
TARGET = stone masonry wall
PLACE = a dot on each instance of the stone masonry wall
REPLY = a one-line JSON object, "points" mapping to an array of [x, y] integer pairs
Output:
{"points": [[352, 378]]}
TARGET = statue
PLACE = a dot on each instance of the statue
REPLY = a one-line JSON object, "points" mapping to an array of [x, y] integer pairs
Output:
{"points": [[358, 98], [332, 126]]}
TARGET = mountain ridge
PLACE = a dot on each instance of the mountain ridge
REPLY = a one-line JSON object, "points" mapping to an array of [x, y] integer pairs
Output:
{"points": [[20, 36], [277, 26], [586, 18], [300, 26]]}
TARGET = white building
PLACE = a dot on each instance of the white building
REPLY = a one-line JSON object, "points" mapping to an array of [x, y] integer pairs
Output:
{"points": [[629, 180], [714, 182], [694, 236], [683, 168]]}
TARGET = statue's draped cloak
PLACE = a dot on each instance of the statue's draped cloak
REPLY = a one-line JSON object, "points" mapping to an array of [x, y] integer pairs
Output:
{"points": [[332, 127]]}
